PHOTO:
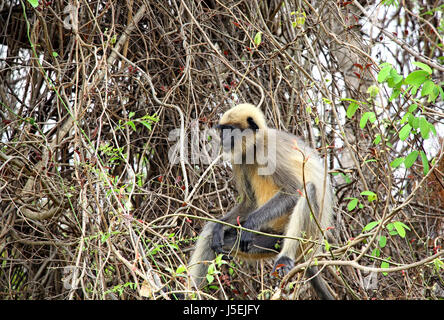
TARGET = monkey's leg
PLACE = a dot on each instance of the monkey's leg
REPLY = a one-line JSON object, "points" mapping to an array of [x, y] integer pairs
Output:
{"points": [[300, 220]]}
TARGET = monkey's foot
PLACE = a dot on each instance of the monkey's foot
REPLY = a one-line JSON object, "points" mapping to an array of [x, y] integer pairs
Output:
{"points": [[282, 266]]}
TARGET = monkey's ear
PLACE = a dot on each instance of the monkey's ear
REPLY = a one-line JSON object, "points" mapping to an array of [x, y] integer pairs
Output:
{"points": [[252, 124]]}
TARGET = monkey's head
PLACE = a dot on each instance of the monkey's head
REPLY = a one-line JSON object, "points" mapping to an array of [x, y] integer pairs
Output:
{"points": [[239, 128]]}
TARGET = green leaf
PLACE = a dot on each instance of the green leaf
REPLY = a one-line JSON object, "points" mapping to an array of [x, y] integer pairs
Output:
{"points": [[373, 91], [258, 38], [132, 125], [371, 225], [424, 127], [377, 139], [382, 241], [181, 269], [413, 121], [399, 226], [405, 132], [371, 196], [146, 124], [397, 162], [395, 94], [423, 66], [413, 107], [376, 252], [367, 116], [327, 245], [438, 264], [410, 159], [384, 73], [351, 110], [55, 54], [352, 204], [34, 3], [384, 265], [416, 78], [434, 93], [210, 278], [427, 88], [394, 80], [425, 163]]}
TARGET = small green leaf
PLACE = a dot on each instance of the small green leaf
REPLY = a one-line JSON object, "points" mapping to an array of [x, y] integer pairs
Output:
{"points": [[384, 73], [394, 80], [371, 225], [210, 278], [438, 264], [396, 92], [146, 124], [423, 66], [181, 269], [258, 38], [351, 110], [410, 159], [397, 162], [327, 245], [371, 196], [377, 139], [352, 204], [413, 107], [384, 265], [34, 3], [405, 132], [427, 88], [132, 125], [367, 116], [413, 121], [373, 91], [376, 252], [416, 78], [424, 127], [55, 54], [425, 163], [400, 228], [382, 241]]}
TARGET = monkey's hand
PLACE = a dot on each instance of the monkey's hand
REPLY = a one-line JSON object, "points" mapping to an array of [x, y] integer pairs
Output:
{"points": [[218, 238], [246, 237]]}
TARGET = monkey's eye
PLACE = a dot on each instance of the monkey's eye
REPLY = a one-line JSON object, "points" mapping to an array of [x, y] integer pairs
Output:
{"points": [[252, 124]]}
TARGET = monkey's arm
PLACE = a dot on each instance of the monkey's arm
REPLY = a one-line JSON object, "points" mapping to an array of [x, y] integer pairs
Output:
{"points": [[280, 204]]}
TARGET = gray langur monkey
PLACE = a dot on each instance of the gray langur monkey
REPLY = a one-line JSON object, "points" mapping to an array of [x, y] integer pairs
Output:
{"points": [[281, 182]]}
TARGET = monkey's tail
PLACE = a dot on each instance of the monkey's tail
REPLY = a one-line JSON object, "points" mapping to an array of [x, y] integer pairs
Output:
{"points": [[198, 264]]}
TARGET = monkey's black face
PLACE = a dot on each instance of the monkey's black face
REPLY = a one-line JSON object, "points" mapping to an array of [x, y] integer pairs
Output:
{"points": [[227, 136], [236, 136]]}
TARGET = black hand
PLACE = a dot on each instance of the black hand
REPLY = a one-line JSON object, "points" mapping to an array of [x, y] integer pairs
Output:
{"points": [[218, 238], [246, 238]]}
